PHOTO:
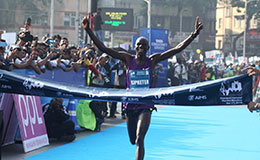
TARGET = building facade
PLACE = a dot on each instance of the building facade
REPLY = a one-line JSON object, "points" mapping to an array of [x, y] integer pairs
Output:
{"points": [[230, 26], [178, 18]]}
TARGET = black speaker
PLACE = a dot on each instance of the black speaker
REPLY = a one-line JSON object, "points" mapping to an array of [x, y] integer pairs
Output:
{"points": [[94, 6]]}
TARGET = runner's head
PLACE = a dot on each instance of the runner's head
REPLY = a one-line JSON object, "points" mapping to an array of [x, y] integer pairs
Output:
{"points": [[141, 46]]}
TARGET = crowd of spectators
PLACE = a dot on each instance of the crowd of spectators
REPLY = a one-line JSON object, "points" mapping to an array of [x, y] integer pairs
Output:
{"points": [[181, 72]]}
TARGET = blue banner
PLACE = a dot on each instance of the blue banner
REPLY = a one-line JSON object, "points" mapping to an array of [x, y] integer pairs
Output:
{"points": [[158, 41], [229, 91], [58, 75]]}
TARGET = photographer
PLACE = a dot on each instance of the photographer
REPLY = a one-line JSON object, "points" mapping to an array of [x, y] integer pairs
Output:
{"points": [[4, 63], [57, 39], [24, 35], [57, 121], [23, 60], [44, 57]]}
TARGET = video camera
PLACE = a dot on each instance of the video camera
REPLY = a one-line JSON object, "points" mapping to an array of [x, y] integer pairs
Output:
{"points": [[25, 34]]}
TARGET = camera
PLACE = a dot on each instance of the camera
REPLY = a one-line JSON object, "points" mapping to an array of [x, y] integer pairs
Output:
{"points": [[28, 21], [25, 36], [56, 50], [51, 41]]}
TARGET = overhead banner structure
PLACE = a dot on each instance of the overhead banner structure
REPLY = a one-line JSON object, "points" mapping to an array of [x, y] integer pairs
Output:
{"points": [[229, 91]]}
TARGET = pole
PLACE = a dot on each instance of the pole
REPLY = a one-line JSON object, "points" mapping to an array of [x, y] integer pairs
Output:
{"points": [[112, 39], [89, 10], [52, 18], [149, 14], [244, 40], [77, 22], [181, 21]]}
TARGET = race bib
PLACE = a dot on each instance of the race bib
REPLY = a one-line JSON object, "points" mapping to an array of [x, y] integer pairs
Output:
{"points": [[139, 78]]}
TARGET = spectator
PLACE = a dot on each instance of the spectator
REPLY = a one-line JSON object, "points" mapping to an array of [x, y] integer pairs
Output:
{"points": [[253, 106], [202, 75], [43, 57], [22, 60], [92, 21], [98, 110], [95, 82], [193, 74], [157, 69], [184, 72], [97, 25], [174, 73], [110, 84], [4, 63], [57, 121], [120, 79], [57, 39]]}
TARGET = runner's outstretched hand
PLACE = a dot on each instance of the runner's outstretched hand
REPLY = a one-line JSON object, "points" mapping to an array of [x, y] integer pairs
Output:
{"points": [[85, 23], [198, 26]]}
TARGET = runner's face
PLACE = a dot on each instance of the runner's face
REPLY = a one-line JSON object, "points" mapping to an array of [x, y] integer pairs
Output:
{"points": [[141, 46]]}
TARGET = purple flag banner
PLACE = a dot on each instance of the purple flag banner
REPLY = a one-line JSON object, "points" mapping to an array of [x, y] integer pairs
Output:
{"points": [[10, 122], [31, 121]]}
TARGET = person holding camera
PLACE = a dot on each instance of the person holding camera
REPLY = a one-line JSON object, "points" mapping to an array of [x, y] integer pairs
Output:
{"points": [[44, 56], [4, 63], [23, 60], [57, 121]]}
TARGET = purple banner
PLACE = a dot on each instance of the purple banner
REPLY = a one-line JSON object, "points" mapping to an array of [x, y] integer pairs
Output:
{"points": [[10, 122], [31, 121]]}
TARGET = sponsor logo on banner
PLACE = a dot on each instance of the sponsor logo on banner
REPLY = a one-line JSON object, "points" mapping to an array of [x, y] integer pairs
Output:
{"points": [[197, 97], [231, 93], [123, 99], [29, 84], [6, 86], [67, 95], [232, 88], [31, 121], [133, 99], [129, 99]]}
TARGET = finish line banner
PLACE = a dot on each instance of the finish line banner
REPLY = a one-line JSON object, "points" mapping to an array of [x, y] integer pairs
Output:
{"points": [[229, 91]]}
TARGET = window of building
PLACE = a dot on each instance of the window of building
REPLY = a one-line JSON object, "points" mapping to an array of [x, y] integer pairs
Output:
{"points": [[241, 43], [220, 23], [187, 24], [158, 21], [236, 23], [241, 24], [228, 11], [219, 44], [69, 19], [66, 19], [40, 19]]}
